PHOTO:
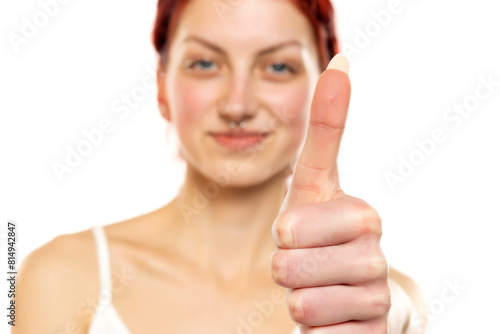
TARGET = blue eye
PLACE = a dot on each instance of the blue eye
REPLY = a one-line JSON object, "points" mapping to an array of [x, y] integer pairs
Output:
{"points": [[279, 67], [204, 64]]}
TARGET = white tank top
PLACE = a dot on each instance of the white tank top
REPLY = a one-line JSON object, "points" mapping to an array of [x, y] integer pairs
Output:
{"points": [[106, 319]]}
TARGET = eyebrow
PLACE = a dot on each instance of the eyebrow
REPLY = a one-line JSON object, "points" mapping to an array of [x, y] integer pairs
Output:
{"points": [[218, 49]]}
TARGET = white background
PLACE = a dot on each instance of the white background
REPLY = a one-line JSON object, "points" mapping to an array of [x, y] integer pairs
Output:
{"points": [[440, 225]]}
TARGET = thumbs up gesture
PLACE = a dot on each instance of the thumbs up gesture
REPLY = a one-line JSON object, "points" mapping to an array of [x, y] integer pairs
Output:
{"points": [[329, 255]]}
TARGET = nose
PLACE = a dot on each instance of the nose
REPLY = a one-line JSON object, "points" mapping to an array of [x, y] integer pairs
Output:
{"points": [[239, 103]]}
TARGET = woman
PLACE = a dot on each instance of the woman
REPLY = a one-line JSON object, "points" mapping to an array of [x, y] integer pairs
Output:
{"points": [[236, 80]]}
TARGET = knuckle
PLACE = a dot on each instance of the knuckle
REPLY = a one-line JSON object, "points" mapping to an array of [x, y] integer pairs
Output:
{"points": [[308, 185], [283, 229], [296, 306], [366, 220], [370, 221], [381, 301], [377, 267], [279, 267]]}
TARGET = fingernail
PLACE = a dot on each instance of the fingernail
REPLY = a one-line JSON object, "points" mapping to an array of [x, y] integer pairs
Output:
{"points": [[339, 62]]}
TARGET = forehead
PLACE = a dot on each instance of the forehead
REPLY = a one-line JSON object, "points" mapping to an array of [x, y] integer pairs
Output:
{"points": [[245, 25]]}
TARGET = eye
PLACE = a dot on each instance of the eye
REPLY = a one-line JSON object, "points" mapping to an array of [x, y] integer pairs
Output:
{"points": [[281, 68], [204, 64]]}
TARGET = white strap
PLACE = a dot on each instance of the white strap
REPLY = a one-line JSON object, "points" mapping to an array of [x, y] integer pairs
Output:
{"points": [[103, 263]]}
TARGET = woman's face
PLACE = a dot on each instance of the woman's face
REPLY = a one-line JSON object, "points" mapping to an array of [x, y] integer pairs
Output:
{"points": [[255, 62]]}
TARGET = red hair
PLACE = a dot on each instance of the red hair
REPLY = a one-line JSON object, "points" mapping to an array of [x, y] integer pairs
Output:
{"points": [[319, 13]]}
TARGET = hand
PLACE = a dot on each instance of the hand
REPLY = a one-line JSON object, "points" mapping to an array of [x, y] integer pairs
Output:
{"points": [[329, 254]]}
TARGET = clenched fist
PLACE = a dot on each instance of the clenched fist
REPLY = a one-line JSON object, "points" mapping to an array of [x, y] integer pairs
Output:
{"points": [[329, 255]]}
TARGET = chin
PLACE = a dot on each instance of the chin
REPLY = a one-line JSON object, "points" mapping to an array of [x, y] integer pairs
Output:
{"points": [[238, 175], [246, 181], [246, 176], [244, 170]]}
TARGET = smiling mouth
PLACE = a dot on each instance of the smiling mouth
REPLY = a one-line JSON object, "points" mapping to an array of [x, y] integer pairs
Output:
{"points": [[239, 140]]}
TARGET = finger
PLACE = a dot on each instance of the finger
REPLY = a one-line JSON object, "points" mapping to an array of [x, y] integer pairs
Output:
{"points": [[377, 325], [351, 263], [325, 224], [335, 304], [315, 177]]}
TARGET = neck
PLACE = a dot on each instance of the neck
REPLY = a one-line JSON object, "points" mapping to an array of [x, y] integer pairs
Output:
{"points": [[227, 230]]}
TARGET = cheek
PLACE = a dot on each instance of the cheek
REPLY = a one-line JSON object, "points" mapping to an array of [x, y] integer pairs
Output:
{"points": [[299, 103], [296, 129], [189, 102], [291, 110]]}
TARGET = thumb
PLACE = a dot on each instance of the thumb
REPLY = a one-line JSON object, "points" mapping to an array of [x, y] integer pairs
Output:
{"points": [[315, 178]]}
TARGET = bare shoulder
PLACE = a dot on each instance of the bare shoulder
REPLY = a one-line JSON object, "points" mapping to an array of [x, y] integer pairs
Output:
{"points": [[54, 284], [57, 287], [142, 231]]}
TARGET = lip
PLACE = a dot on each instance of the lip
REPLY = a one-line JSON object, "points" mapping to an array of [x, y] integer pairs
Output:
{"points": [[239, 140]]}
